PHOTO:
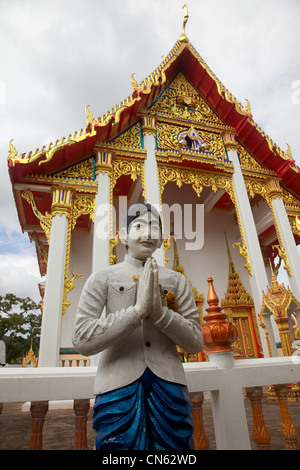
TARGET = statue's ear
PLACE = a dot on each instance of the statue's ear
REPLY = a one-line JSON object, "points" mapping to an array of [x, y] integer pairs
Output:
{"points": [[123, 235]]}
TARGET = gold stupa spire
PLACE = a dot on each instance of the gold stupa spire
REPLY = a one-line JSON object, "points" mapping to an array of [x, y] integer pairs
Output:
{"points": [[236, 293]]}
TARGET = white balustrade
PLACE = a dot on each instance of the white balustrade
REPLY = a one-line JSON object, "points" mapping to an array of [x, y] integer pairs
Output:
{"points": [[222, 376]]}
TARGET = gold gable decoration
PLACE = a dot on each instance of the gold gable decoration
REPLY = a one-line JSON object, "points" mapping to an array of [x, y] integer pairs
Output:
{"points": [[175, 137], [181, 100], [84, 170], [130, 139], [250, 165], [80, 176]]}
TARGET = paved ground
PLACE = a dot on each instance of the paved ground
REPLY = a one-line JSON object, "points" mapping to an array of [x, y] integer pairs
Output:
{"points": [[59, 427]]}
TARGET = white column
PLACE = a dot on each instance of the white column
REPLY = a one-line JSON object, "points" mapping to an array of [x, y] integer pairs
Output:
{"points": [[228, 407], [151, 176], [288, 241], [258, 279], [52, 309], [151, 172], [102, 220], [102, 212]]}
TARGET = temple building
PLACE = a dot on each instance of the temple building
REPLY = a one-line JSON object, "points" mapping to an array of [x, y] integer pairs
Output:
{"points": [[229, 198]]}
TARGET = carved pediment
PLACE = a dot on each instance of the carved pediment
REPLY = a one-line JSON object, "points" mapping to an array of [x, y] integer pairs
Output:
{"points": [[181, 100], [83, 170]]}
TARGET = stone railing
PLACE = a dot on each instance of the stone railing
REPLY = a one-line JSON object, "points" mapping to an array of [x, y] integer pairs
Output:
{"points": [[226, 379], [223, 377]]}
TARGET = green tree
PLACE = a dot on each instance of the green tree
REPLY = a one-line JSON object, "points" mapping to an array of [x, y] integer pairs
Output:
{"points": [[20, 324]]}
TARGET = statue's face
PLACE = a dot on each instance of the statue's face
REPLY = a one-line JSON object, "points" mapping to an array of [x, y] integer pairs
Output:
{"points": [[144, 236]]}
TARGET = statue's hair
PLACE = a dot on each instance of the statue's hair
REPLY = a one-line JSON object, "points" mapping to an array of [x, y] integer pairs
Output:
{"points": [[137, 210]]}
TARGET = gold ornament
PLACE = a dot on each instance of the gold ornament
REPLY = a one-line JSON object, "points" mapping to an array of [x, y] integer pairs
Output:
{"points": [[134, 83], [183, 38], [45, 219], [89, 115]]}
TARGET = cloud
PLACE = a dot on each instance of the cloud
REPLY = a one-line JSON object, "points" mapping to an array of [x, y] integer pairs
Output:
{"points": [[19, 275], [19, 271], [60, 55]]}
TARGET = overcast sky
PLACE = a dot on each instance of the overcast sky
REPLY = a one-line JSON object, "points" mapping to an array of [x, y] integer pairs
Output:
{"points": [[57, 56]]}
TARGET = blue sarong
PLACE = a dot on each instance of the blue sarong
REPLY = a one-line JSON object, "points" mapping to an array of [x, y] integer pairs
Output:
{"points": [[149, 414]]}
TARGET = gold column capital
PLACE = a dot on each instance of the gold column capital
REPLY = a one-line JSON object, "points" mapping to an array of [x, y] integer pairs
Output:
{"points": [[62, 199], [273, 189], [104, 161], [148, 124], [229, 141]]}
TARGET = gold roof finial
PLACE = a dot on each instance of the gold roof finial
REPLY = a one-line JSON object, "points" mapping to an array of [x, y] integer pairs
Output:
{"points": [[13, 152], [248, 107], [89, 115], [275, 288], [134, 83], [183, 37], [289, 152]]}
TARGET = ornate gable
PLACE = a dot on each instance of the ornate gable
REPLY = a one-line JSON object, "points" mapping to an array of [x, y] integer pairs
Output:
{"points": [[181, 100]]}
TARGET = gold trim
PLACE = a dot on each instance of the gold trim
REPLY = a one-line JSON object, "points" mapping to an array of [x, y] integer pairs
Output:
{"points": [[197, 178], [45, 219], [274, 192], [133, 168], [295, 224], [112, 249], [48, 150], [80, 205]]}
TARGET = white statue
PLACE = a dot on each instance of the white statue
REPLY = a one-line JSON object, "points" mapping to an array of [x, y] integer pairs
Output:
{"points": [[142, 401]]}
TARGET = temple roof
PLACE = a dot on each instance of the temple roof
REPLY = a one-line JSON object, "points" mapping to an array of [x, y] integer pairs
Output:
{"points": [[70, 157], [183, 57]]}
